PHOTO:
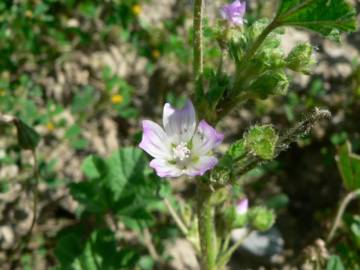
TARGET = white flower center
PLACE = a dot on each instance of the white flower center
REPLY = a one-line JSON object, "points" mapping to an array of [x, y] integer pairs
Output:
{"points": [[181, 152]]}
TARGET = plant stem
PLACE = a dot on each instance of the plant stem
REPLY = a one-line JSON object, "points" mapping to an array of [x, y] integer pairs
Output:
{"points": [[35, 199], [198, 47], [182, 227], [207, 232], [252, 50], [227, 255], [349, 197]]}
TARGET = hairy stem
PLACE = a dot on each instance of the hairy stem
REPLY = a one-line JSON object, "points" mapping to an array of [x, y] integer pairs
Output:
{"points": [[227, 255], [292, 135], [207, 232], [35, 199], [182, 227], [198, 47], [260, 39], [349, 197]]}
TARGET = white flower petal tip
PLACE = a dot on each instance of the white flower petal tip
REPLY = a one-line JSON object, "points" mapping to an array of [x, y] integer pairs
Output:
{"points": [[179, 124]]}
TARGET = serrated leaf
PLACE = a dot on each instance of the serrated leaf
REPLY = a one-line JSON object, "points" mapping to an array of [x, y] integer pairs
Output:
{"points": [[91, 195], [328, 17], [93, 166], [125, 167], [349, 166], [95, 251]]}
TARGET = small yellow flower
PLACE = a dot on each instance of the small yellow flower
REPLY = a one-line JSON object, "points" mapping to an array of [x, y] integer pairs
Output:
{"points": [[50, 126], [2, 92], [29, 14], [155, 53], [136, 9], [117, 99]]}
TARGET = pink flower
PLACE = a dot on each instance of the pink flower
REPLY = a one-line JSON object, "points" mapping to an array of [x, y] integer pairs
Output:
{"points": [[182, 147], [234, 12], [242, 206]]}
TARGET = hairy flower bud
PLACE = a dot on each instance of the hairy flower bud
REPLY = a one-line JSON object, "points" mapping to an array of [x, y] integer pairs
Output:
{"points": [[301, 58], [269, 83], [261, 218]]}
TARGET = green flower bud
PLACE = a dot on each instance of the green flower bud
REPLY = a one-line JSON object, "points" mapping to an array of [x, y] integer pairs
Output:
{"points": [[261, 141], [240, 221], [28, 138], [269, 83], [301, 58], [220, 196], [225, 220], [261, 218]]}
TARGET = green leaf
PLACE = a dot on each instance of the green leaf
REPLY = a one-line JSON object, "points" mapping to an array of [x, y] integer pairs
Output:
{"points": [[349, 166], [335, 263], [327, 17], [83, 99], [93, 166], [146, 263], [261, 141], [96, 250], [91, 195], [125, 167]]}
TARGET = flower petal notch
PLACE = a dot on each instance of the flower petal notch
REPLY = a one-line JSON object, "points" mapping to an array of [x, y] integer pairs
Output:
{"points": [[182, 147], [234, 13]]}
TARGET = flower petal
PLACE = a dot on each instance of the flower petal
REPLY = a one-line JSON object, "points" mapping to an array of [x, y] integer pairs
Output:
{"points": [[234, 12], [202, 165], [155, 141], [242, 206], [180, 124], [205, 139], [164, 169]]}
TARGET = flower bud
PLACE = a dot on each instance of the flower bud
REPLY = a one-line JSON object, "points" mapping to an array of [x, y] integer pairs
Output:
{"points": [[261, 141], [269, 83], [301, 58], [242, 207], [261, 218], [28, 138]]}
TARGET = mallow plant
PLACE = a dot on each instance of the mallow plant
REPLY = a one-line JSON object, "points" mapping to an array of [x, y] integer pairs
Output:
{"points": [[186, 143], [123, 188]]}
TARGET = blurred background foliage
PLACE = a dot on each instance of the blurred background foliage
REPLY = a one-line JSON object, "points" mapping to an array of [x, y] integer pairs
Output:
{"points": [[84, 73]]}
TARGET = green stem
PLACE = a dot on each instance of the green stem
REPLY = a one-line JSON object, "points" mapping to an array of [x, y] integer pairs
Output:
{"points": [[349, 197], [182, 227], [198, 47], [227, 255], [207, 232], [252, 50]]}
